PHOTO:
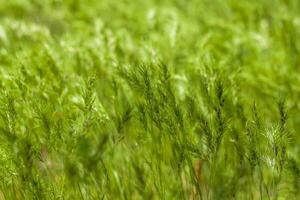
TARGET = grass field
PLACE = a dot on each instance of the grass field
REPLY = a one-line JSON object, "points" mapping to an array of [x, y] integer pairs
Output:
{"points": [[149, 99]]}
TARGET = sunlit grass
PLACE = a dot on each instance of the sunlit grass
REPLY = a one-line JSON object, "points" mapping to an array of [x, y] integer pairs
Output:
{"points": [[149, 99]]}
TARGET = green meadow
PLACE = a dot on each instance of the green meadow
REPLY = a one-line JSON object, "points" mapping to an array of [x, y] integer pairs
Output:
{"points": [[149, 99]]}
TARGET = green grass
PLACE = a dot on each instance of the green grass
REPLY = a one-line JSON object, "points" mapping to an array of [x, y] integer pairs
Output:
{"points": [[148, 99]]}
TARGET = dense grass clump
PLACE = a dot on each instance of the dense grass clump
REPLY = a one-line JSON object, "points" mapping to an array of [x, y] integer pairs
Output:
{"points": [[166, 99]]}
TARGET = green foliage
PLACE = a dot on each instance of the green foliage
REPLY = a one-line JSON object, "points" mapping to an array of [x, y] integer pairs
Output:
{"points": [[165, 99]]}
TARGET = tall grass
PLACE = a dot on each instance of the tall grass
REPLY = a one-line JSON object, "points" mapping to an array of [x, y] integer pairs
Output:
{"points": [[149, 99]]}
